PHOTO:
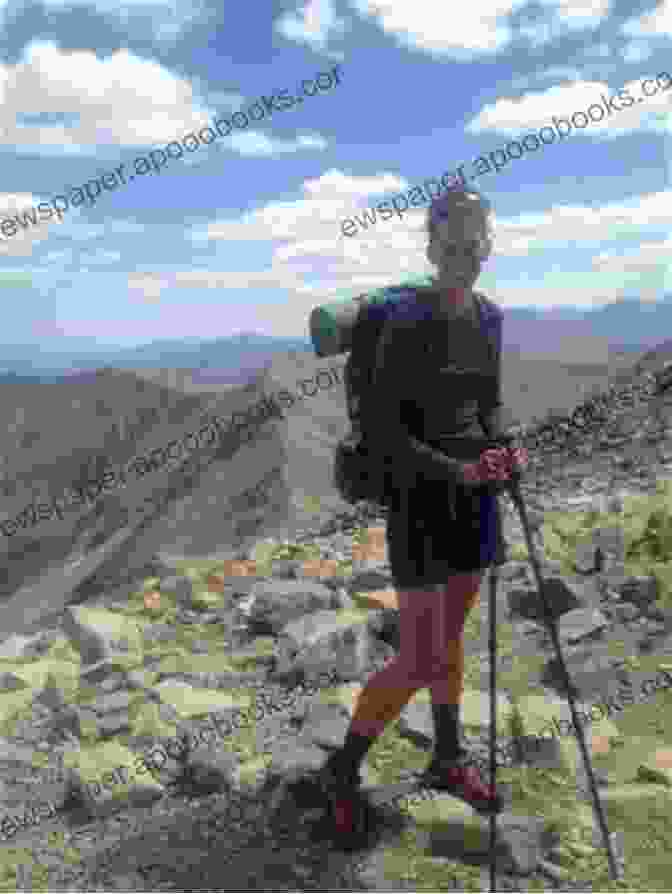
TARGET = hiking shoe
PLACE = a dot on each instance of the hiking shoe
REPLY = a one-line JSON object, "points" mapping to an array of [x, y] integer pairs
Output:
{"points": [[461, 778], [346, 808]]}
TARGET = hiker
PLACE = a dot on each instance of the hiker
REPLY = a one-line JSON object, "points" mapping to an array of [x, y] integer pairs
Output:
{"points": [[443, 529]]}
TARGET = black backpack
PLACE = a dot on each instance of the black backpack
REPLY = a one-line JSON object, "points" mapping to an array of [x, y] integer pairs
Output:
{"points": [[359, 474]]}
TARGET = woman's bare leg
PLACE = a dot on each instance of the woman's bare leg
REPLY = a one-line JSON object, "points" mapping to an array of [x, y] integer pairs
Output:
{"points": [[454, 602]]}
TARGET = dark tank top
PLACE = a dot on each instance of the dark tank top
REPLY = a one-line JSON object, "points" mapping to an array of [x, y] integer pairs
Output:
{"points": [[431, 379]]}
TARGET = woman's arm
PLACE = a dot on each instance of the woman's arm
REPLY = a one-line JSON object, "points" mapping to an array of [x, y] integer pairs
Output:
{"points": [[397, 358]]}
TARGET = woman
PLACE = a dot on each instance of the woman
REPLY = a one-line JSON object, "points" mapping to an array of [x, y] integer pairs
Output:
{"points": [[443, 530]]}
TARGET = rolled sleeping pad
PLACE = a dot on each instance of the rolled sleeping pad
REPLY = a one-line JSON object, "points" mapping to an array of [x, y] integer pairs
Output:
{"points": [[331, 325]]}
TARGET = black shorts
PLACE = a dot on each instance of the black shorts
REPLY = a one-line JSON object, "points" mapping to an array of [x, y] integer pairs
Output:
{"points": [[426, 546]]}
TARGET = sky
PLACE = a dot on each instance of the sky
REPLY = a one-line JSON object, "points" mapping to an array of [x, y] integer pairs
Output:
{"points": [[245, 231]]}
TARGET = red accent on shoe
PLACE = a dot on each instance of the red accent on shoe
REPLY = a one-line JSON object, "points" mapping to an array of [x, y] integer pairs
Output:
{"points": [[465, 782], [344, 802], [344, 816]]}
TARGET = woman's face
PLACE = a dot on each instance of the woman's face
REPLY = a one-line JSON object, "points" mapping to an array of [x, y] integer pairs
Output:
{"points": [[452, 252]]}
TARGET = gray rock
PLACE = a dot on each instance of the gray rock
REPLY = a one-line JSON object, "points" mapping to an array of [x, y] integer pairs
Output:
{"points": [[135, 679], [521, 843], [288, 758], [369, 576], [9, 682], [285, 568], [51, 696], [624, 612], [321, 642], [560, 594], [111, 702], [113, 682], [526, 840], [589, 667], [416, 724], [77, 719], [640, 591], [610, 541], [200, 647], [113, 724], [179, 587], [341, 599], [539, 751], [612, 577], [160, 632], [211, 769], [90, 674], [275, 603], [581, 623], [325, 725], [16, 646], [556, 873], [585, 560], [99, 802], [92, 642]]}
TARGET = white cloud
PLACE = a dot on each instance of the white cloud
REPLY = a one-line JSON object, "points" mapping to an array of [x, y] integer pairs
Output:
{"points": [[532, 111], [314, 264], [563, 16], [481, 26], [119, 101], [313, 24], [21, 244], [582, 225], [657, 23], [255, 143], [167, 18], [649, 256], [555, 73]]}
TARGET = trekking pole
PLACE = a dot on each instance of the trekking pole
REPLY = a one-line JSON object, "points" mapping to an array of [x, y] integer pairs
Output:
{"points": [[492, 649], [513, 488]]}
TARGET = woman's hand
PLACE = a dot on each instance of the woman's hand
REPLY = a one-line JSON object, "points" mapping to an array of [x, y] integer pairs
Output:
{"points": [[495, 465]]}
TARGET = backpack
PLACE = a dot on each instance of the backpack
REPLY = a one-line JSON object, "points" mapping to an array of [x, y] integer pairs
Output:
{"points": [[358, 472]]}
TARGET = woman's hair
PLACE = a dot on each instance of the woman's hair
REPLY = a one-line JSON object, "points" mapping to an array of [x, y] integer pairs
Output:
{"points": [[464, 201]]}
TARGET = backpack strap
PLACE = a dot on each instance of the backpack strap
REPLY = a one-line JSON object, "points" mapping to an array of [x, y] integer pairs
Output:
{"points": [[491, 321]]}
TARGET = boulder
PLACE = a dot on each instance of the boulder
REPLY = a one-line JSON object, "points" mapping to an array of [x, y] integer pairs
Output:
{"points": [[273, 603], [211, 769], [581, 623], [641, 591], [610, 541], [326, 641], [585, 558], [561, 596], [324, 725], [179, 587]]}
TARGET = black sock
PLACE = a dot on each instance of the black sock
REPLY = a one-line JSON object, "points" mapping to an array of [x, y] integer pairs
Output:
{"points": [[347, 760], [447, 744]]}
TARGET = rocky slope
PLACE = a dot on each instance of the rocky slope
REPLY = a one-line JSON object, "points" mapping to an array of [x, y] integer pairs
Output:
{"points": [[268, 654]]}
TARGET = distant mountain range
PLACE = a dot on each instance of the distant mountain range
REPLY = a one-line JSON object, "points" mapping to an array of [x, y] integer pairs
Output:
{"points": [[628, 326]]}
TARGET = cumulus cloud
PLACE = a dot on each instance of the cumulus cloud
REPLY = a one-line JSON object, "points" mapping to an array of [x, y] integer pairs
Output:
{"points": [[532, 111], [483, 26], [121, 101], [311, 265], [583, 225], [647, 257], [656, 23], [314, 24], [166, 20]]}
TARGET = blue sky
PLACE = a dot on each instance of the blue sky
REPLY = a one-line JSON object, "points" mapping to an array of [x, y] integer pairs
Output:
{"points": [[244, 234]]}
